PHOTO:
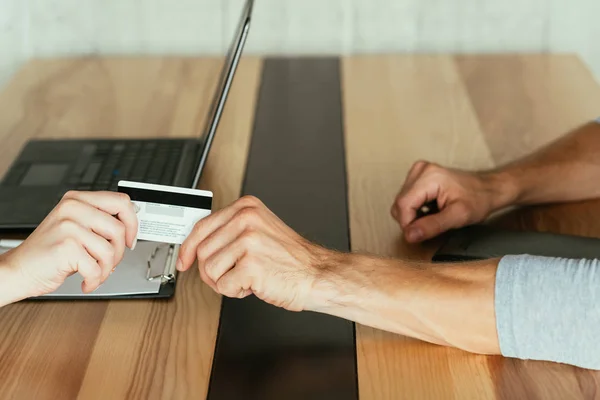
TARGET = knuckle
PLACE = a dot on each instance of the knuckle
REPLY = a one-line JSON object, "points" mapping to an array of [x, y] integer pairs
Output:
{"points": [[431, 168], [250, 239], [249, 201], [199, 225], [209, 265], [226, 288], [119, 230], [201, 255], [70, 194], [247, 216], [122, 198], [65, 205], [68, 245], [67, 226], [419, 164]]}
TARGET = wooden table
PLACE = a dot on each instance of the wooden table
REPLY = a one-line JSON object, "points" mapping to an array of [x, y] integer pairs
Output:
{"points": [[467, 111]]}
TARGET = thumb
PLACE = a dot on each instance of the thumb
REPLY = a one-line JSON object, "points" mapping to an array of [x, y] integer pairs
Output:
{"points": [[452, 216]]}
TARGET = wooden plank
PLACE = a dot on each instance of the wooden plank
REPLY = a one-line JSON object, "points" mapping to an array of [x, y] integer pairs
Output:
{"points": [[172, 354], [296, 167], [121, 349], [400, 109], [523, 102]]}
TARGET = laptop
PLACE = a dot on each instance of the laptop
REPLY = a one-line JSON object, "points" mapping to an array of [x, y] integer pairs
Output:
{"points": [[46, 169]]}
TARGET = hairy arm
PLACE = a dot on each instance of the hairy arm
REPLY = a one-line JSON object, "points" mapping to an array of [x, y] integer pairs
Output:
{"points": [[451, 305], [525, 307], [565, 170]]}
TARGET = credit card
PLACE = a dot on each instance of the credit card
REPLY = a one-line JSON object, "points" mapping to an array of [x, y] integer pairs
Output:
{"points": [[166, 214]]}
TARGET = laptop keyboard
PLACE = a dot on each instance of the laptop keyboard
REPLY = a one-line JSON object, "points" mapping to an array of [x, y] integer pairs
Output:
{"points": [[102, 165]]}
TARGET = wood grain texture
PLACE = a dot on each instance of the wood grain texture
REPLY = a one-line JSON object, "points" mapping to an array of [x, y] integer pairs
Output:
{"points": [[472, 112], [122, 349], [399, 110], [522, 103], [525, 101]]}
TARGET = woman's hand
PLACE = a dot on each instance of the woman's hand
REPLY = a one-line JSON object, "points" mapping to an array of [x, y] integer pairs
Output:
{"points": [[86, 233]]}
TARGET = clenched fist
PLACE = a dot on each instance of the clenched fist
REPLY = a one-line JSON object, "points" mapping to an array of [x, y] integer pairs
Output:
{"points": [[245, 249], [463, 198]]}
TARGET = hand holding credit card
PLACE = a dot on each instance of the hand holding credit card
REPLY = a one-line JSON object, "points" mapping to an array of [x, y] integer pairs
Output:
{"points": [[166, 214]]}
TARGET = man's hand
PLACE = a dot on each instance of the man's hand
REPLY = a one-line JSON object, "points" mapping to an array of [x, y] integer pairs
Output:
{"points": [[86, 233], [245, 249], [463, 198]]}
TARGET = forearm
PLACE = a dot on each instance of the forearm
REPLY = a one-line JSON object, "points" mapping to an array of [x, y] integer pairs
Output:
{"points": [[566, 170], [450, 305]]}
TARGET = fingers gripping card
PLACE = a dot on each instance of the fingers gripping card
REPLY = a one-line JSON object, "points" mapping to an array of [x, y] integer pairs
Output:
{"points": [[166, 214]]}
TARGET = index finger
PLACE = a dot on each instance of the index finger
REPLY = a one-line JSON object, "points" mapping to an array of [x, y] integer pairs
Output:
{"points": [[113, 203], [208, 225]]}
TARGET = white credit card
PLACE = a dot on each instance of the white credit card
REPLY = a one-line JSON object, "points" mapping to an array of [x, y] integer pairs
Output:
{"points": [[167, 214]]}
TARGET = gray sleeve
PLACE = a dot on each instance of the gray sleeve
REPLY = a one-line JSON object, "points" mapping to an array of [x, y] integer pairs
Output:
{"points": [[548, 309]]}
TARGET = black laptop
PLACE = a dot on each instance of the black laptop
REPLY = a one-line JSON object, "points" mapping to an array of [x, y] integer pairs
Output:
{"points": [[46, 169]]}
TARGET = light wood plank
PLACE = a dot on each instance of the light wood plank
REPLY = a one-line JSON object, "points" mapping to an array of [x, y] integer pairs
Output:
{"points": [[398, 110], [522, 103], [122, 349], [171, 356]]}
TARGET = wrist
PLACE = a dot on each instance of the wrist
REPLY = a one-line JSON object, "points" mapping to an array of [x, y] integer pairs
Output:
{"points": [[11, 285], [344, 282], [504, 189], [326, 286]]}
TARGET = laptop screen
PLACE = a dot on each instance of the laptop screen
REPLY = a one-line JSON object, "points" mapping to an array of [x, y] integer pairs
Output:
{"points": [[225, 79]]}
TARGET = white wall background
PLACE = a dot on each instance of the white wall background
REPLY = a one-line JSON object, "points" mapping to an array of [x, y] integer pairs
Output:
{"points": [[33, 28]]}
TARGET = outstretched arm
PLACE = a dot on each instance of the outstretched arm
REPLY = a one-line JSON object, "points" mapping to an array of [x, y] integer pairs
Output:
{"points": [[524, 307]]}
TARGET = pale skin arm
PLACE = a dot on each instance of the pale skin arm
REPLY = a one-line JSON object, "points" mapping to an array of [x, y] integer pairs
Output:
{"points": [[10, 291], [86, 233]]}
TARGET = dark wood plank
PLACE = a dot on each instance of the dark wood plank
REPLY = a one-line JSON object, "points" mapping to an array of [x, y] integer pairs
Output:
{"points": [[296, 166]]}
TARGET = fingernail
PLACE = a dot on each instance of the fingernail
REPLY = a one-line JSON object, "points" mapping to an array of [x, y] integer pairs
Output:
{"points": [[414, 235], [179, 265], [134, 243]]}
